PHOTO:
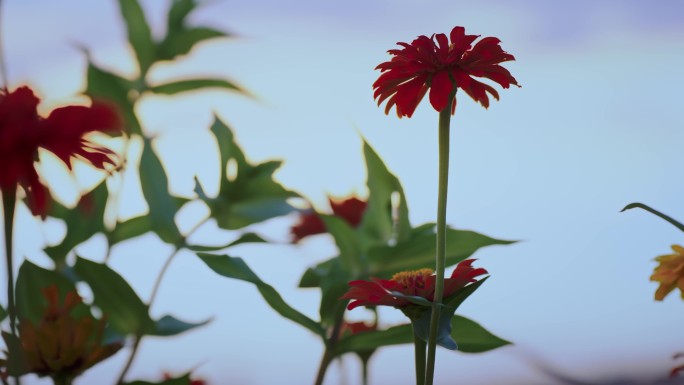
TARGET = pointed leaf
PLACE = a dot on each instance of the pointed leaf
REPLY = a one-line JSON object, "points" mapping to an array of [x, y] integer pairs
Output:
{"points": [[82, 222], [347, 241], [181, 42], [192, 85], [155, 187], [473, 338], [183, 380], [139, 34], [30, 282], [655, 212], [251, 195], [244, 238], [171, 326], [419, 251], [3, 313], [382, 184], [236, 268], [128, 229], [102, 84], [126, 312]]}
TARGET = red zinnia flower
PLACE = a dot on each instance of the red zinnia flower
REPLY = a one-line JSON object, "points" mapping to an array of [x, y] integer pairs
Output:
{"points": [[350, 209], [23, 132], [418, 283], [434, 63]]}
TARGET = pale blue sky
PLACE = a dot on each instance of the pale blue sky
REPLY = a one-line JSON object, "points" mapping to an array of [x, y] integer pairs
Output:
{"points": [[596, 125]]}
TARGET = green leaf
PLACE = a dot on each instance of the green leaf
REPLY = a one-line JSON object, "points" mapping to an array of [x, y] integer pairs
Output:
{"points": [[31, 280], [468, 334], [192, 85], [377, 221], [655, 212], [139, 34], [419, 250], [82, 222], [244, 238], [126, 312], [171, 326], [3, 313], [129, 229], [421, 325], [155, 187], [104, 85], [180, 42], [473, 338], [236, 268], [347, 241], [183, 380], [251, 196]]}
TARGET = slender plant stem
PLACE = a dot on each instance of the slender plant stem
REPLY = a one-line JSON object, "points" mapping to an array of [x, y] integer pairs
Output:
{"points": [[9, 200], [153, 296], [443, 182], [419, 346], [330, 344], [364, 372]]}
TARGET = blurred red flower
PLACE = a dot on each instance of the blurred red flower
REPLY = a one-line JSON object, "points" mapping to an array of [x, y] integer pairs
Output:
{"points": [[23, 132], [351, 328], [418, 283], [439, 65], [310, 223]]}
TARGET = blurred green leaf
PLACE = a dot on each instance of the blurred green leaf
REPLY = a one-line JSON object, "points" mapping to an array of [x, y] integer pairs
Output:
{"points": [[171, 326], [126, 312], [104, 85], [378, 222], [192, 85], [473, 338], [421, 325], [3, 313], [183, 380], [468, 334], [251, 195], [347, 241], [180, 38], [155, 187], [419, 250], [128, 229], [236, 268], [31, 280], [244, 238], [139, 34], [82, 222]]}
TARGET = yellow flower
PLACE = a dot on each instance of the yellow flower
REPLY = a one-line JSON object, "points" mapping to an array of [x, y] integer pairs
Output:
{"points": [[670, 273]]}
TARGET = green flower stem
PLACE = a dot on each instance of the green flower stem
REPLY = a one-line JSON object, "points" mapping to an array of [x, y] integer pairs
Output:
{"points": [[364, 372], [443, 182], [62, 380], [9, 203], [419, 346], [651, 210], [139, 336], [330, 343]]}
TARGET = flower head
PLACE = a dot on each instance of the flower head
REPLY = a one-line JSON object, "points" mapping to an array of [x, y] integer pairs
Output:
{"points": [[310, 223], [670, 273], [23, 132], [442, 66], [418, 283], [60, 345]]}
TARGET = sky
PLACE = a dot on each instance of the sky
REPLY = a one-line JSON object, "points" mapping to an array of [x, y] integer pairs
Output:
{"points": [[596, 125]]}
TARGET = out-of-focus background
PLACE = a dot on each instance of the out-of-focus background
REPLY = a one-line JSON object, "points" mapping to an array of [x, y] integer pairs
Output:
{"points": [[597, 124]]}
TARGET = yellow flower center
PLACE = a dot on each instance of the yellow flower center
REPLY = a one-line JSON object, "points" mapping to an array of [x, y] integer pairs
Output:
{"points": [[412, 278]]}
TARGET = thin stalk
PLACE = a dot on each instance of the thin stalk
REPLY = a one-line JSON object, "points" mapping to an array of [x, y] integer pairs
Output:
{"points": [[364, 372], [9, 203], [443, 182], [153, 296], [330, 345], [419, 346]]}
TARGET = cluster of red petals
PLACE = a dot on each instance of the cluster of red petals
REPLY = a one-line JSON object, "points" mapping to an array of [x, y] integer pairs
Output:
{"points": [[420, 283], [23, 132], [351, 328], [441, 65], [310, 223]]}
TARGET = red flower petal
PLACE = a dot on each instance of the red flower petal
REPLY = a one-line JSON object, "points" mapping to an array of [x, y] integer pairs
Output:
{"points": [[440, 90]]}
